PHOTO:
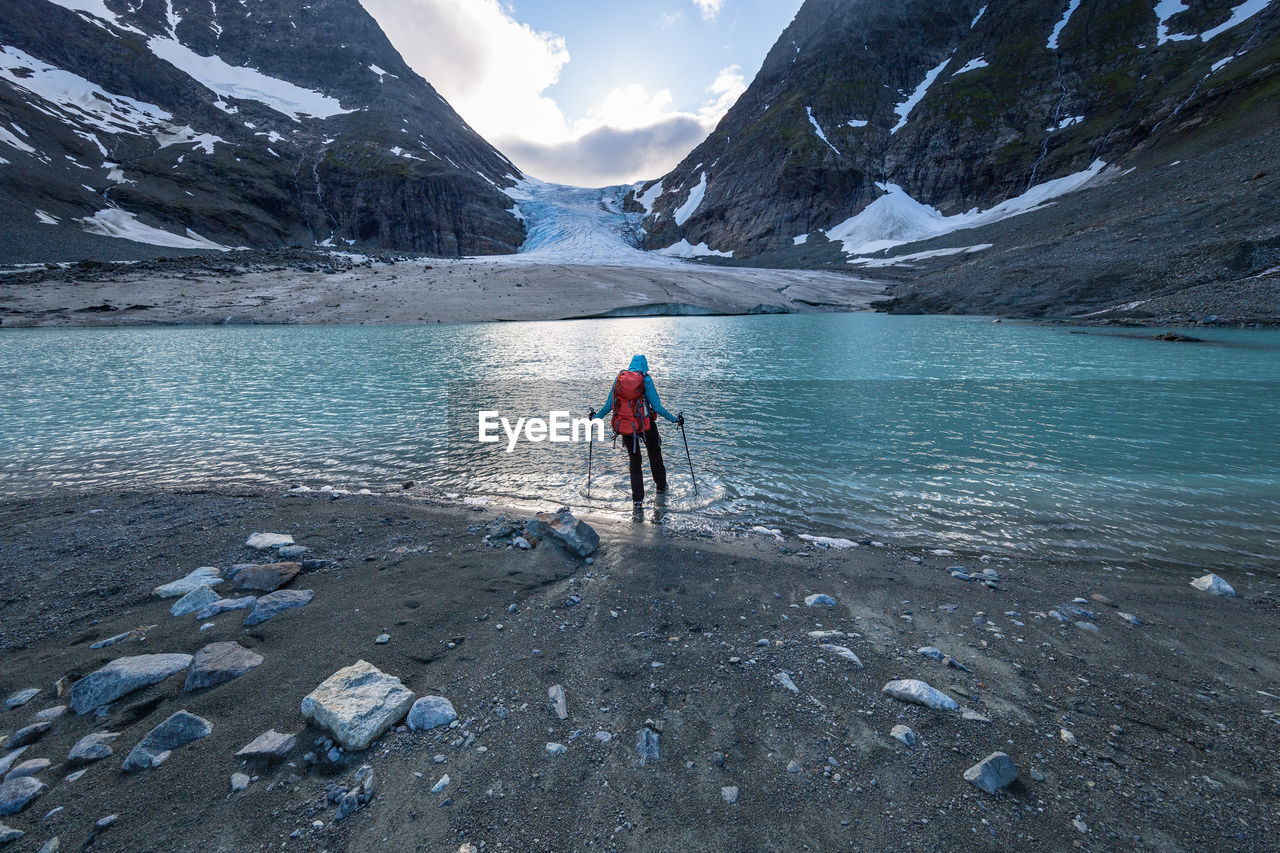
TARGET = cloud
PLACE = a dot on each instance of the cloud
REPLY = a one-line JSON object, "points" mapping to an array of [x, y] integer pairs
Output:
{"points": [[495, 70], [670, 19], [708, 8]]}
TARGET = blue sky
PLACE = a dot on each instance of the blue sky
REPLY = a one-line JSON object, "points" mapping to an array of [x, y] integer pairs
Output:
{"points": [[587, 93]]}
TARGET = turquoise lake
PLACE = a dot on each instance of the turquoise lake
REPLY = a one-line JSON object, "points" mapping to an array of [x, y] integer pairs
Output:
{"points": [[941, 432]]}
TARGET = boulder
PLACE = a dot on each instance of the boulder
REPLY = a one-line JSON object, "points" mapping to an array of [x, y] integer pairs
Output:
{"points": [[1214, 584], [264, 577], [121, 676], [219, 662], [180, 729], [992, 773], [92, 747], [270, 745], [274, 603], [203, 576], [576, 536], [30, 767], [267, 541], [12, 758], [193, 601], [17, 794], [30, 734], [430, 712], [916, 692], [21, 698], [222, 605], [8, 833], [357, 704]]}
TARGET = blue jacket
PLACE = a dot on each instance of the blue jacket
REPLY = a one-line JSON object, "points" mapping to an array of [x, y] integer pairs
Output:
{"points": [[640, 364]]}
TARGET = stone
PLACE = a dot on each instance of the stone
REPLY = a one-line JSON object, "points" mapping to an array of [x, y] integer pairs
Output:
{"points": [[30, 767], [203, 576], [1214, 584], [730, 794], [8, 834], [992, 773], [270, 745], [17, 794], [1130, 618], [1102, 599], [647, 745], [431, 712], [382, 639], [793, 766], [220, 662], [52, 713], [239, 782], [903, 735], [970, 714], [556, 748], [21, 698], [842, 652], [1067, 737], [558, 702], [122, 676], [440, 784], [9, 760], [267, 541], [222, 605], [357, 704], [133, 634], [264, 577], [1088, 626], [53, 845], [577, 537], [931, 652], [179, 730], [291, 551], [275, 603], [819, 599], [916, 692], [30, 734], [194, 600], [92, 747], [784, 680]]}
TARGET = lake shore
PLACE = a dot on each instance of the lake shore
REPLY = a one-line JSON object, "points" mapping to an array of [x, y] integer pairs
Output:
{"points": [[1154, 735]]}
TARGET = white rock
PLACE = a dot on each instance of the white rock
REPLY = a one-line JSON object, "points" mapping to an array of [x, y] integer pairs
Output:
{"points": [[194, 600], [558, 702], [916, 692], [357, 704], [825, 635], [819, 599], [992, 773], [265, 541], [1214, 584], [903, 735], [781, 678], [239, 781], [203, 576], [1067, 737], [829, 542], [843, 652], [556, 748], [441, 784], [730, 794]]}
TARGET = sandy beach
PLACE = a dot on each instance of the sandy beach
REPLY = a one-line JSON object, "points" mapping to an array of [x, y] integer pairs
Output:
{"points": [[1145, 731]]}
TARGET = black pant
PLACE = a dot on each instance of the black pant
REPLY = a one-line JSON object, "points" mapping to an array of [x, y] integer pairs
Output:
{"points": [[654, 447]]}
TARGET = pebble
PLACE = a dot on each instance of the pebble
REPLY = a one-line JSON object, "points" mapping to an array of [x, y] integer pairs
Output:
{"points": [[730, 794], [196, 599], [903, 735], [647, 745], [222, 605], [1214, 584], [1130, 618], [992, 773], [930, 652], [290, 551], [793, 766], [17, 794], [273, 604], [8, 834], [784, 680], [444, 780], [53, 845], [820, 599], [1079, 824], [239, 781], [271, 744], [382, 639], [30, 734], [556, 748], [21, 698], [559, 704], [51, 713], [1067, 737], [842, 652], [52, 813], [1088, 626]]}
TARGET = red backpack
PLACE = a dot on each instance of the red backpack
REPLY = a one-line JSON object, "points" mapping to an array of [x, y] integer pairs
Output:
{"points": [[630, 411]]}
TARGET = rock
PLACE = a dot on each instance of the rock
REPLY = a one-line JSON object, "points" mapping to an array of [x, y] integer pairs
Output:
{"points": [[1088, 626], [193, 601], [819, 599], [784, 680], [347, 806], [134, 634], [263, 577], [431, 712], [203, 576], [53, 713], [903, 735], [239, 781], [1067, 737], [8, 833], [1130, 618], [180, 729], [30, 734], [842, 652], [1102, 599], [53, 845], [822, 636], [1214, 584], [917, 692], [271, 745], [992, 773], [220, 662], [556, 748], [558, 702], [931, 652], [577, 537], [121, 676], [30, 767], [275, 603], [17, 794], [647, 745], [21, 698], [92, 747], [292, 551], [382, 639], [524, 544], [730, 794], [222, 605], [838, 543], [9, 760], [970, 714], [357, 704], [267, 541], [793, 766], [442, 783], [1080, 825]]}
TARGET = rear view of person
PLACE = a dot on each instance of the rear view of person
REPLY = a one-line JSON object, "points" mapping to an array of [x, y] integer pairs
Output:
{"points": [[633, 399]]}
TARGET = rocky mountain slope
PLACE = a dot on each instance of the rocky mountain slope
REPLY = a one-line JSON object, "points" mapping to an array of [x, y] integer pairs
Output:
{"points": [[191, 124], [877, 127]]}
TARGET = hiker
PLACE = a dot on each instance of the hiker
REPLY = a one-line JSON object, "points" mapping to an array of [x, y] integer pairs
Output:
{"points": [[633, 400]]}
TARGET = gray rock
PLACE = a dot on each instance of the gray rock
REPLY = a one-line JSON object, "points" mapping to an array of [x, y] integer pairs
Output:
{"points": [[992, 773], [292, 551], [270, 745], [203, 576], [267, 541], [784, 680], [53, 713], [71, 777], [30, 767], [382, 639], [647, 745], [1214, 584], [12, 758], [275, 603], [180, 729], [8, 833], [1130, 618], [17, 794], [133, 634], [53, 845], [121, 676], [30, 734], [916, 692], [239, 781], [1088, 626], [196, 599], [970, 714], [92, 747], [842, 652], [220, 662], [431, 712], [819, 599], [559, 703], [21, 698], [730, 794], [441, 784], [576, 536], [348, 805], [222, 605], [903, 735], [357, 704], [556, 748], [264, 577], [931, 652], [793, 766]]}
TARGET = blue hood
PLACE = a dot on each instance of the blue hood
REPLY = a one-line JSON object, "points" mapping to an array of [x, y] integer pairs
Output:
{"points": [[639, 363]]}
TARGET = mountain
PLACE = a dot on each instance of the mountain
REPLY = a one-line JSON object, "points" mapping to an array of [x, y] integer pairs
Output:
{"points": [[192, 124], [1025, 156]]}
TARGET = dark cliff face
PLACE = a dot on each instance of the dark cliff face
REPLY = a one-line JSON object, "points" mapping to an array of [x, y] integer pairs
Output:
{"points": [[1009, 106], [251, 124]]}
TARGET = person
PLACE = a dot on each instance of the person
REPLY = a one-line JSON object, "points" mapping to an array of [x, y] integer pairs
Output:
{"points": [[633, 399]]}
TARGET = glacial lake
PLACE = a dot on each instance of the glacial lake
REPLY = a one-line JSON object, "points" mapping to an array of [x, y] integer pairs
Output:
{"points": [[942, 432]]}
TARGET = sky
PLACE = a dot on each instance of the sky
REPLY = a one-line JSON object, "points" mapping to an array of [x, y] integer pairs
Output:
{"points": [[587, 92]]}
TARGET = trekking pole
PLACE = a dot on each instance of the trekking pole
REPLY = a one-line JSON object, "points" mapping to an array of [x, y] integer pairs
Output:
{"points": [[590, 445], [686, 453]]}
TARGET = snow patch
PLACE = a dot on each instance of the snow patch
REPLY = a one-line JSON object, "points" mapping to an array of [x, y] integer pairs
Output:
{"points": [[8, 138], [690, 206], [1066, 122], [1057, 31], [382, 75], [978, 17], [817, 128], [919, 256], [46, 218], [185, 135], [855, 122], [1221, 62], [650, 196], [904, 109], [684, 249], [96, 9], [972, 65], [1166, 9], [114, 222], [1239, 15]]}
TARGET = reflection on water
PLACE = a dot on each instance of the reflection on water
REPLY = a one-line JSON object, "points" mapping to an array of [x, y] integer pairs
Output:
{"points": [[923, 430]]}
